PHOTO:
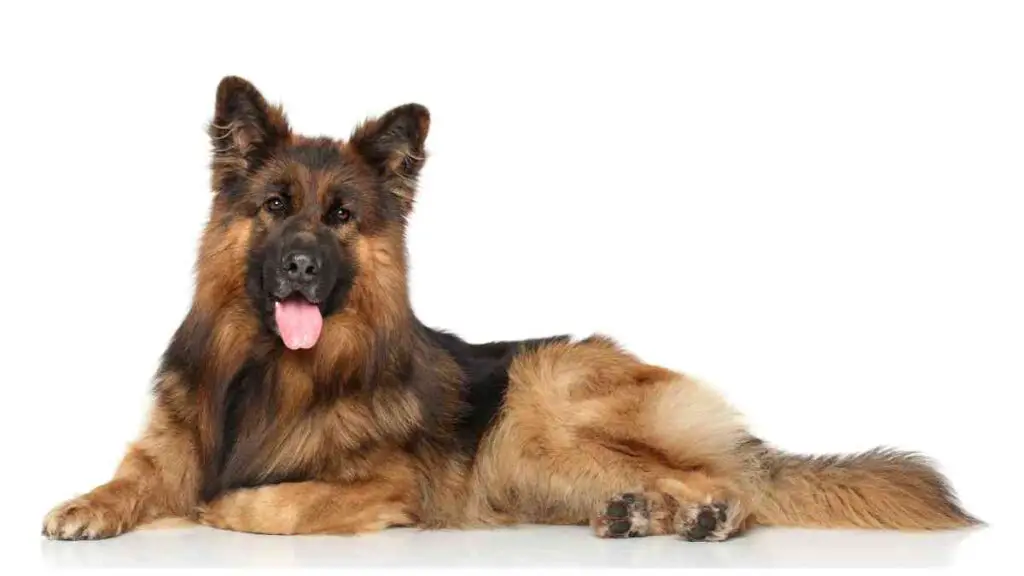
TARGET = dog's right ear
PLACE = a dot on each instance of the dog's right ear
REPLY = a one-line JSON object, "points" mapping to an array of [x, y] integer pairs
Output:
{"points": [[244, 131]]}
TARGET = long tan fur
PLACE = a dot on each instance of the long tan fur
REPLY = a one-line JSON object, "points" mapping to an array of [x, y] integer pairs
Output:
{"points": [[877, 489]]}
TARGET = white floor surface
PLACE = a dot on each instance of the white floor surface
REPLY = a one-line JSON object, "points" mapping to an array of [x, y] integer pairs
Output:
{"points": [[529, 546]]}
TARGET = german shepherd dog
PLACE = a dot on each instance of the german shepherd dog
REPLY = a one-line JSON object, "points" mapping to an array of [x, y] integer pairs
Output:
{"points": [[301, 394]]}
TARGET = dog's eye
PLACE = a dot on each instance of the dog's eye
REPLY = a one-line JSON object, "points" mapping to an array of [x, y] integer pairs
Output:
{"points": [[275, 205], [341, 215]]}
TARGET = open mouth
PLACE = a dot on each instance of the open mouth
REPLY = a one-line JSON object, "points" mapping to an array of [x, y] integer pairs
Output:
{"points": [[299, 321]]}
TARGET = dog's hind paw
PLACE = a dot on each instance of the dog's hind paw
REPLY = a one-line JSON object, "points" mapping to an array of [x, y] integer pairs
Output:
{"points": [[623, 516], [712, 522]]}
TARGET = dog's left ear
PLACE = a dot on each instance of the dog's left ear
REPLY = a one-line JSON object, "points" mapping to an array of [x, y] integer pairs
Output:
{"points": [[393, 145]]}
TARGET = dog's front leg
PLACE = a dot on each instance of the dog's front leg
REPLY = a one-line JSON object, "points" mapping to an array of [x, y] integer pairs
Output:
{"points": [[314, 507], [158, 477]]}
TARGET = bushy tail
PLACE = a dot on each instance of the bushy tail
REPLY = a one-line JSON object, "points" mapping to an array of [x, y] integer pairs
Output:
{"points": [[877, 489]]}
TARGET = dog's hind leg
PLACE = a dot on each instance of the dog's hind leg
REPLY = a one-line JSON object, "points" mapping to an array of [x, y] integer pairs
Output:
{"points": [[589, 434]]}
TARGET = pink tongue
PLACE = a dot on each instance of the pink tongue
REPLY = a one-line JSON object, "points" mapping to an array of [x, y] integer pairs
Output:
{"points": [[299, 323]]}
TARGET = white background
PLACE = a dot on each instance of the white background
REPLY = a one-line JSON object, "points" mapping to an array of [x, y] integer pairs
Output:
{"points": [[814, 206]]}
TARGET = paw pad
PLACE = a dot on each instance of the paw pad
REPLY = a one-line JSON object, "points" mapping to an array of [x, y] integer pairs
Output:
{"points": [[706, 523], [624, 516]]}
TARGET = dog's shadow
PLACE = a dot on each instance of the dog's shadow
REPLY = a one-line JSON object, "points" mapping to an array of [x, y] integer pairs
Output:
{"points": [[524, 546]]}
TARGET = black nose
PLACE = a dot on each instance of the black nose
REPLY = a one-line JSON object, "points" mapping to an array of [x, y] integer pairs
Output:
{"points": [[301, 267]]}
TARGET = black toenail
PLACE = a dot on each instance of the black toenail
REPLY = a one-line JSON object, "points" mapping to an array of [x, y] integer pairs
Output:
{"points": [[707, 519], [617, 510], [619, 528]]}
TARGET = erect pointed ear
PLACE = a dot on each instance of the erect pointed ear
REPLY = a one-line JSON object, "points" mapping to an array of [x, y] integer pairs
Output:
{"points": [[244, 131], [393, 145]]}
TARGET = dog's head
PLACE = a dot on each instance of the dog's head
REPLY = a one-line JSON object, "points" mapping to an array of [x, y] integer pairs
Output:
{"points": [[306, 229]]}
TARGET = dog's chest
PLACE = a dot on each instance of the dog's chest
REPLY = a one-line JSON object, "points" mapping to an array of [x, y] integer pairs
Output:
{"points": [[276, 434], [267, 432]]}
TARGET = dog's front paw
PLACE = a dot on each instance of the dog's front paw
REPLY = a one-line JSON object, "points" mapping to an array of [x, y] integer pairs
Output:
{"points": [[84, 518], [231, 511], [263, 510], [213, 516]]}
